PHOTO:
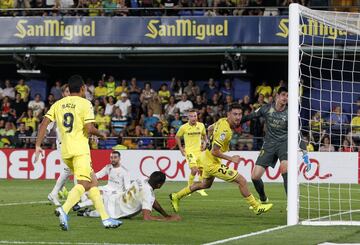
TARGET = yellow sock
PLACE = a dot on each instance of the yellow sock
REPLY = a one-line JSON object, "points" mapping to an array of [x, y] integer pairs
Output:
{"points": [[184, 192], [252, 201], [73, 197], [95, 197], [191, 179]]}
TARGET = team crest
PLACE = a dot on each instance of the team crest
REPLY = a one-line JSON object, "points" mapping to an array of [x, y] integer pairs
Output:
{"points": [[222, 136]]}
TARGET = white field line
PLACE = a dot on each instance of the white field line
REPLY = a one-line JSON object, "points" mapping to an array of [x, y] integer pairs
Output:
{"points": [[22, 203], [62, 243], [246, 235]]}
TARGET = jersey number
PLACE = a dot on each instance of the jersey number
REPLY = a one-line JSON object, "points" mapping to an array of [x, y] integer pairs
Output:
{"points": [[68, 122]]}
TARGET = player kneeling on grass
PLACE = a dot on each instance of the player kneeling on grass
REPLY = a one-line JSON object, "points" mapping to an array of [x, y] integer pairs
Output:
{"points": [[139, 197], [220, 135]]}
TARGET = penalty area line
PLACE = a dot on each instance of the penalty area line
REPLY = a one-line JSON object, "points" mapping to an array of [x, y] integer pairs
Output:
{"points": [[63, 243], [22, 203], [246, 235]]}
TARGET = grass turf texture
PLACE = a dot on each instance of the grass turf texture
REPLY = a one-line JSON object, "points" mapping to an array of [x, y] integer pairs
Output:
{"points": [[223, 214]]}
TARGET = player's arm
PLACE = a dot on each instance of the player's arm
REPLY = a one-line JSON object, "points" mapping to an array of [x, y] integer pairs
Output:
{"points": [[92, 130], [166, 217], [257, 113], [215, 151], [40, 137], [103, 172], [178, 136]]}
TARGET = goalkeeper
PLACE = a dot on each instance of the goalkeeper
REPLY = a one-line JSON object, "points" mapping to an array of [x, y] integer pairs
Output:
{"points": [[275, 140]]}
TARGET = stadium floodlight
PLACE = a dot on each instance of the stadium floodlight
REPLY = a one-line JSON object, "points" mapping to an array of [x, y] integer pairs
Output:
{"points": [[319, 81], [28, 72], [234, 72]]}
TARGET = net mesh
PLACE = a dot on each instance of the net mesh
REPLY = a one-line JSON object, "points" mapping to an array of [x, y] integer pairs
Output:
{"points": [[329, 114]]}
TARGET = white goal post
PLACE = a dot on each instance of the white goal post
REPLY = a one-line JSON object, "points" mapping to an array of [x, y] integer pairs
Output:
{"points": [[324, 78]]}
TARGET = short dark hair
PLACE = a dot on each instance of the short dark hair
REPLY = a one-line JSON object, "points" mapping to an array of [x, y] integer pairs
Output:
{"points": [[75, 83], [157, 177], [282, 89], [234, 106], [116, 152]]}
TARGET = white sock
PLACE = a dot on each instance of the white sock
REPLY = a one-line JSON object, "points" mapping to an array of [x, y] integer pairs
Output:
{"points": [[93, 213], [87, 203], [60, 182]]}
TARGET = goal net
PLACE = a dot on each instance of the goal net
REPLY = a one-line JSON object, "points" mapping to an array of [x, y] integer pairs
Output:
{"points": [[324, 101]]}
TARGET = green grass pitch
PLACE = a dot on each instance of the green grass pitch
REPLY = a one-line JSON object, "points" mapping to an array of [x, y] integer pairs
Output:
{"points": [[221, 215]]}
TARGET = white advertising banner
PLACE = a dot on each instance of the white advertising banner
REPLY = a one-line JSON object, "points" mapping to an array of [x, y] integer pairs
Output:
{"points": [[326, 167]]}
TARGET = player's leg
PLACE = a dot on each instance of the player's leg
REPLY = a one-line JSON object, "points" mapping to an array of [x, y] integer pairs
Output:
{"points": [[193, 173], [266, 158], [202, 192], [176, 197], [60, 182], [282, 153], [230, 175]]}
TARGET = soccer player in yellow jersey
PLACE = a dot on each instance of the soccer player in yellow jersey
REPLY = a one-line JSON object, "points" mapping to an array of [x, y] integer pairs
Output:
{"points": [[220, 135], [194, 135], [74, 117]]}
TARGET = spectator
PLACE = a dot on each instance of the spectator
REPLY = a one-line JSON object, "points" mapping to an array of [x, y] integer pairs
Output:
{"points": [[22, 4], [63, 5], [50, 101], [109, 107], [134, 96], [19, 105], [56, 90], [100, 90], [121, 89], [146, 142], [155, 105], [221, 5], [199, 104], [263, 89], [150, 121], [125, 105], [246, 138], [228, 102], [110, 84], [260, 102], [97, 106], [176, 123], [192, 90], [103, 121], [346, 147], [118, 122], [146, 94], [21, 132], [257, 10], [29, 120], [158, 143], [241, 10], [6, 4], [36, 105], [337, 118], [165, 124], [5, 107], [282, 83], [309, 146], [210, 89], [109, 7], [90, 89], [326, 145], [9, 129], [9, 90], [23, 89], [245, 103], [214, 105], [122, 9], [316, 125], [171, 141], [95, 8], [177, 88], [170, 6], [227, 90], [355, 127], [170, 108], [164, 94], [184, 105]]}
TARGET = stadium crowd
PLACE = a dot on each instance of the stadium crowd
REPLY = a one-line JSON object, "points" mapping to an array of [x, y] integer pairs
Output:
{"points": [[137, 117], [143, 7]]}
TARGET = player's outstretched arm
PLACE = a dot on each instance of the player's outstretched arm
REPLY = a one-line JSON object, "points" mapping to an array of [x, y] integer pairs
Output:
{"points": [[40, 137], [166, 217]]}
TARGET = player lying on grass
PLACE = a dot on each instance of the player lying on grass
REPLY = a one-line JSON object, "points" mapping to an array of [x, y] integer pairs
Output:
{"points": [[118, 179], [138, 198], [220, 135]]}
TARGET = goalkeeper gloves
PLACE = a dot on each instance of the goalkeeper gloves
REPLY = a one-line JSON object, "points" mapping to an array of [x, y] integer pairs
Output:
{"points": [[306, 161]]}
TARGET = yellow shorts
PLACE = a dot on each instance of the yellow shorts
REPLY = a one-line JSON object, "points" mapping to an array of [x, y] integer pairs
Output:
{"points": [[80, 166], [214, 168], [193, 160]]}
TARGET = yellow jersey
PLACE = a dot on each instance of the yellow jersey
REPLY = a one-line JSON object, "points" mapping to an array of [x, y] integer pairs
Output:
{"points": [[222, 135], [100, 91], [71, 113], [355, 124], [103, 122], [30, 122], [23, 90], [192, 136], [110, 88]]}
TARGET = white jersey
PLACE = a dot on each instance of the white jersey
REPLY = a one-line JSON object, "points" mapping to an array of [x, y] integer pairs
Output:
{"points": [[58, 139], [118, 178], [140, 195]]}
